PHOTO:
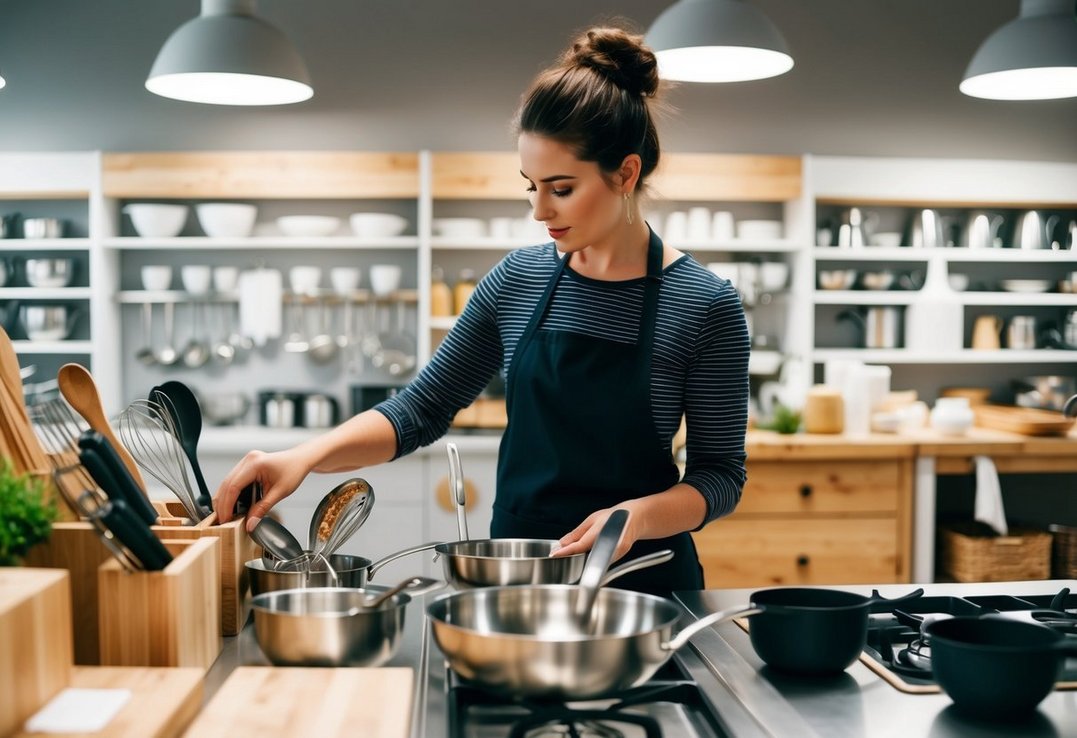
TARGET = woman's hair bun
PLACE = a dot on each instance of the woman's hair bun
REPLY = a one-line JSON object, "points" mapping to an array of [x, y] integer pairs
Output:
{"points": [[618, 55]]}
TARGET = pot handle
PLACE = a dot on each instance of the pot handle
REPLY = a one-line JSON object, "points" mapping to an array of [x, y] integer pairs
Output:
{"points": [[399, 555], [877, 598], [456, 489], [643, 562], [705, 622]]}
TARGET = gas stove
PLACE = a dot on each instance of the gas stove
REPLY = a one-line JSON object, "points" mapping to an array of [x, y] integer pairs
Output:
{"points": [[899, 649]]}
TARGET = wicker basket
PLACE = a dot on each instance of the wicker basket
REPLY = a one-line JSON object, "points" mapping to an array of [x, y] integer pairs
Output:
{"points": [[1063, 552], [972, 553]]}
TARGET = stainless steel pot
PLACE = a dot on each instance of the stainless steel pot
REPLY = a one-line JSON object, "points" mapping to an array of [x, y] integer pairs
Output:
{"points": [[278, 410], [42, 228], [320, 411], [48, 322], [50, 272], [881, 326], [351, 571], [328, 627]]}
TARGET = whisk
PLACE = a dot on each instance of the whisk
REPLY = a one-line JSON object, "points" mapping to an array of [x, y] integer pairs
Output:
{"points": [[148, 431]]}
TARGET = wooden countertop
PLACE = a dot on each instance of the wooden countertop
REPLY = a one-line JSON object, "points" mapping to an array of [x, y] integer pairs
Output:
{"points": [[1012, 452]]}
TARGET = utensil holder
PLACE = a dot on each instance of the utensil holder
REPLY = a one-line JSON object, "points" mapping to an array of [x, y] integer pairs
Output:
{"points": [[236, 549], [35, 640], [163, 618], [75, 546]]}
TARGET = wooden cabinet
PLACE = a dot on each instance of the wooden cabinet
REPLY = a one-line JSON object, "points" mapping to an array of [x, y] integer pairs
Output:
{"points": [[821, 521]]}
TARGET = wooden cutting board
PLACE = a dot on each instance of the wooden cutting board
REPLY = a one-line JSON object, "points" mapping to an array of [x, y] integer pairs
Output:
{"points": [[271, 701], [1024, 420]]}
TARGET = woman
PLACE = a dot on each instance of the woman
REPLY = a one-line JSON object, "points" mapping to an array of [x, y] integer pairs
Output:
{"points": [[607, 335]]}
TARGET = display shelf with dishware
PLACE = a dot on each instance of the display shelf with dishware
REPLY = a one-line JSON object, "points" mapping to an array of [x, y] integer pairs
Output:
{"points": [[964, 356]]}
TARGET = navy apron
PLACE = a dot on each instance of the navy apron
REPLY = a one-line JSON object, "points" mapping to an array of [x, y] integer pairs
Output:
{"points": [[581, 437]]}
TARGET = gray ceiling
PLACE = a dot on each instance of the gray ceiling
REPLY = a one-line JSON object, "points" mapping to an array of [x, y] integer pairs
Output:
{"points": [[872, 77]]}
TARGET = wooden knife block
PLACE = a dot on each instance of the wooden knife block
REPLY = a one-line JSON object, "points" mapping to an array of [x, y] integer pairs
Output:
{"points": [[35, 641], [237, 548], [163, 618], [74, 546]]}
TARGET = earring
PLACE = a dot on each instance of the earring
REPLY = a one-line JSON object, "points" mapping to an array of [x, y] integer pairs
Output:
{"points": [[628, 207]]}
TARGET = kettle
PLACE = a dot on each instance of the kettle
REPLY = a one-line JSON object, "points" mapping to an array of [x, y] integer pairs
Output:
{"points": [[1033, 230], [982, 230]]}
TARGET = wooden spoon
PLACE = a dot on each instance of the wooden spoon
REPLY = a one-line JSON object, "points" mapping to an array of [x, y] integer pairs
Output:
{"points": [[78, 388], [21, 436]]}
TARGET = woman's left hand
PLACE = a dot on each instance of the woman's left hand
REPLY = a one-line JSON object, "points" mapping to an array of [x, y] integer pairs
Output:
{"points": [[583, 537]]}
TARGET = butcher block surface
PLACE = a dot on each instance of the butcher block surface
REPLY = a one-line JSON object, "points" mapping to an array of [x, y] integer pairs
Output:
{"points": [[295, 701]]}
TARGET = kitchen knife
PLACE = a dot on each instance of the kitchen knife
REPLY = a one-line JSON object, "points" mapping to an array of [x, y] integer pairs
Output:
{"points": [[121, 485], [135, 535]]}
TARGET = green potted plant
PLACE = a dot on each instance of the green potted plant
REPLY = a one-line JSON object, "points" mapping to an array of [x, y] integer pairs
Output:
{"points": [[27, 512]]}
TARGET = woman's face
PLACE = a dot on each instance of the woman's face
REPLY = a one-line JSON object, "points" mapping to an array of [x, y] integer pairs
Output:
{"points": [[569, 196]]}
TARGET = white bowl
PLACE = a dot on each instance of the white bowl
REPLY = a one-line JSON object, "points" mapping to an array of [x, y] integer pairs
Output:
{"points": [[958, 282], [345, 280], [308, 225], [304, 279], [384, 279], [156, 277], [773, 275], [1025, 285], [196, 278], [226, 220], [377, 225], [886, 239], [157, 221], [460, 227], [225, 278], [760, 230]]}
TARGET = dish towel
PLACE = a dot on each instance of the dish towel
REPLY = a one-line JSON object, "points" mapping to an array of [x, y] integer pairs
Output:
{"points": [[260, 295], [988, 506]]}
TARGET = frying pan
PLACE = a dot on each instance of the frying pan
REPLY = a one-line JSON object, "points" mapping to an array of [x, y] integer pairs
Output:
{"points": [[495, 562]]}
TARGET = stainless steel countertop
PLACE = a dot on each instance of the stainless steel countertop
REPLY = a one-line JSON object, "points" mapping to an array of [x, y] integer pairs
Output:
{"points": [[751, 699], [859, 704]]}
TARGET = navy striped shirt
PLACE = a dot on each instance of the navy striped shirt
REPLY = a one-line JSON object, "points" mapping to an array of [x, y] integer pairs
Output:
{"points": [[699, 367]]}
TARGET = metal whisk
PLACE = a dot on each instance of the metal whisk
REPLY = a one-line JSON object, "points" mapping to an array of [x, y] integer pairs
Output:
{"points": [[149, 433]]}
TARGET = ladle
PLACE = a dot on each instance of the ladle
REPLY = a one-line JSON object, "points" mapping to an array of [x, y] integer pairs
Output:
{"points": [[145, 355], [224, 353], [78, 388], [196, 353], [595, 568], [167, 355], [276, 539], [408, 585], [323, 347], [339, 515]]}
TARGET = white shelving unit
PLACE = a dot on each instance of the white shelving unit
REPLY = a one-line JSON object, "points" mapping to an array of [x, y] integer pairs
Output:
{"points": [[408, 243], [965, 356], [74, 348]]}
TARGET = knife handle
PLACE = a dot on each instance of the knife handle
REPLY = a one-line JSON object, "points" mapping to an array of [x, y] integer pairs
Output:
{"points": [[135, 535], [123, 485]]}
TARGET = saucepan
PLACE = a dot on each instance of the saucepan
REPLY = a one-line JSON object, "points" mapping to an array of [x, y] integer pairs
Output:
{"points": [[512, 639], [499, 561], [993, 667], [349, 571], [334, 626]]}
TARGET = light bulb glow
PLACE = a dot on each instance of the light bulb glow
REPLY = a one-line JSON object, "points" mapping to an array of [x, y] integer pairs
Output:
{"points": [[227, 88], [1040, 83], [721, 63]]}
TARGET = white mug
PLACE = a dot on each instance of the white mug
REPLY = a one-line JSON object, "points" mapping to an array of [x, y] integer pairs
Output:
{"points": [[501, 227], [699, 224], [225, 278], [196, 278], [345, 280], [722, 226], [304, 279], [676, 226]]}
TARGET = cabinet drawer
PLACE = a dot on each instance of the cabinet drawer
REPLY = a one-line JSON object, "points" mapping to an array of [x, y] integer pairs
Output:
{"points": [[821, 487], [764, 553]]}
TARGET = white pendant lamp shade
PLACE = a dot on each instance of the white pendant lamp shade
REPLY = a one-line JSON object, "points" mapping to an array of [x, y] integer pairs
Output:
{"points": [[2, 82], [717, 41], [1033, 57], [228, 56]]}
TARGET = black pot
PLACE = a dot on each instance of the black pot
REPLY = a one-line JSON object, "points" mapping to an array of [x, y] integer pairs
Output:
{"points": [[812, 631], [996, 668]]}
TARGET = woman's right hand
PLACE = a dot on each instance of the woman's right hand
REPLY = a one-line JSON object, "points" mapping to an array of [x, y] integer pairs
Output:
{"points": [[279, 474]]}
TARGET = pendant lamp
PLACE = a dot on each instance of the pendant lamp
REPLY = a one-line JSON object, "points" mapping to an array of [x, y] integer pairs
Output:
{"points": [[2, 82], [717, 41], [229, 56], [1033, 57]]}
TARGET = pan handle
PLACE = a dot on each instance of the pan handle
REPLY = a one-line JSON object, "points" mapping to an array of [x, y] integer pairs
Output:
{"points": [[456, 489], [877, 598], [643, 562], [399, 555], [705, 622]]}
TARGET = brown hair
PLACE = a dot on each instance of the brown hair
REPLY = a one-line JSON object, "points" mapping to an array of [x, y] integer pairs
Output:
{"points": [[596, 99]]}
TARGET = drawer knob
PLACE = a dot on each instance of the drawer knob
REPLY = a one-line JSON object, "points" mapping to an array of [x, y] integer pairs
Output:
{"points": [[805, 491], [803, 560]]}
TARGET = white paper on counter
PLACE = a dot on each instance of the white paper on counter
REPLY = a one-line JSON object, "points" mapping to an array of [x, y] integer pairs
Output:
{"points": [[78, 711]]}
